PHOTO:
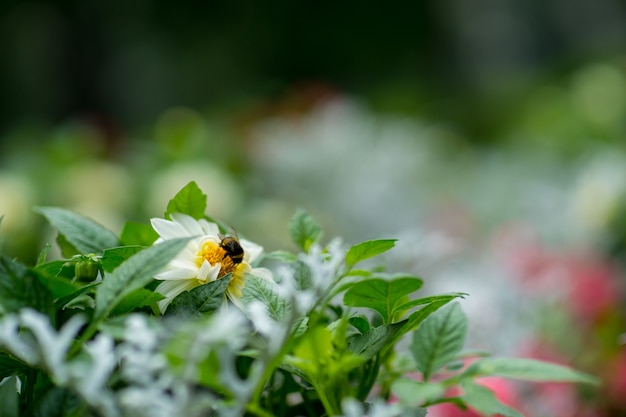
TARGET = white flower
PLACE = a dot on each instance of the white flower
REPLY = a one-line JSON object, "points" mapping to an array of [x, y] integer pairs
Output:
{"points": [[203, 260]]}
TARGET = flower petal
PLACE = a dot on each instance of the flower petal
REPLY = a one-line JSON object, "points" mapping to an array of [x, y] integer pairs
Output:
{"points": [[183, 263], [234, 299], [208, 272], [171, 289], [190, 224], [177, 274], [209, 228], [168, 229], [251, 250]]}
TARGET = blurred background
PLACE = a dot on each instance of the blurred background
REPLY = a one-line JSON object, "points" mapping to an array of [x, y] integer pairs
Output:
{"points": [[487, 135]]}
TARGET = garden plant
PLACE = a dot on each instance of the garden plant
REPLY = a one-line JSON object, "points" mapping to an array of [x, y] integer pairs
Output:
{"points": [[182, 316]]}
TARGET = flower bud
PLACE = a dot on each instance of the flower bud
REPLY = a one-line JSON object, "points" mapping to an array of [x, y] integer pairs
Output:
{"points": [[87, 268]]}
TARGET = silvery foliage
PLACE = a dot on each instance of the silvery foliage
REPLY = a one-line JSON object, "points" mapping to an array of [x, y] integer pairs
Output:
{"points": [[379, 408], [43, 347], [151, 388], [324, 266]]}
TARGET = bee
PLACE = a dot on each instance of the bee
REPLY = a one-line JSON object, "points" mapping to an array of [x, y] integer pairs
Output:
{"points": [[230, 245]]}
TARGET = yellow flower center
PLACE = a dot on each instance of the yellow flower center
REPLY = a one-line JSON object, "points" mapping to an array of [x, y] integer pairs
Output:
{"points": [[213, 254]]}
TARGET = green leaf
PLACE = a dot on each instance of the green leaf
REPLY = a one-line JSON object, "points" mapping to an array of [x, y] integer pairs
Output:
{"points": [[374, 340], [416, 318], [360, 323], [58, 402], [135, 273], [302, 276], [483, 400], [53, 268], [84, 234], [527, 370], [314, 352], [431, 299], [61, 287], [10, 366], [382, 295], [417, 393], [281, 255], [139, 234], [368, 249], [200, 300], [62, 301], [139, 298], [9, 397], [55, 275], [439, 338], [268, 293], [112, 258], [21, 287], [304, 230], [67, 249], [300, 326], [43, 255], [190, 200]]}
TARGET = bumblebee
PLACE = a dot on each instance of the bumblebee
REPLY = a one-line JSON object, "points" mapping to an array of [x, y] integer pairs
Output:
{"points": [[230, 245]]}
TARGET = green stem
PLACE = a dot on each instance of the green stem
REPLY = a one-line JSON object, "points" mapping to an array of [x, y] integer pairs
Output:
{"points": [[307, 404], [29, 390], [257, 410], [271, 365], [332, 409], [368, 382], [91, 329]]}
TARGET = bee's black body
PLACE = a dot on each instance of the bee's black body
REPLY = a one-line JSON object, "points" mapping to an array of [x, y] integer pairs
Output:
{"points": [[232, 248]]}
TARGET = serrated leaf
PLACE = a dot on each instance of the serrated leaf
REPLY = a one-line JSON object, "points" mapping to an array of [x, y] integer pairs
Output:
{"points": [[20, 287], [527, 370], [84, 234], [267, 292], [190, 200], [140, 234], [136, 299], [135, 273], [304, 230], [439, 338], [200, 300], [113, 257], [382, 295], [374, 340], [9, 397], [368, 249], [483, 400]]}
